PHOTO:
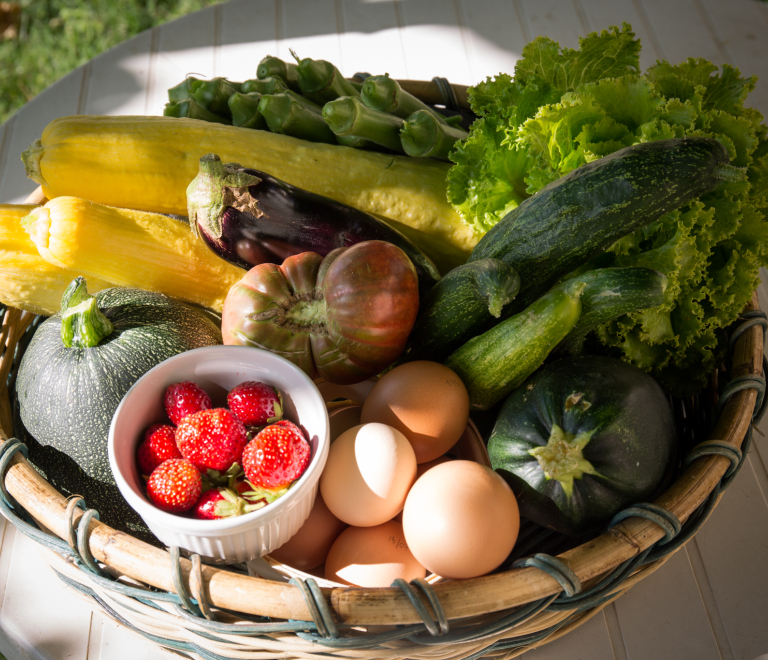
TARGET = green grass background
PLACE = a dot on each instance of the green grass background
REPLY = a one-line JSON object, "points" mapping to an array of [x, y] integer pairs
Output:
{"points": [[57, 36]]}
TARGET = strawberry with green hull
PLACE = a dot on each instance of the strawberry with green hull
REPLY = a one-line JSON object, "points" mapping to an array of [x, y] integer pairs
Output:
{"points": [[241, 498], [212, 439], [255, 404], [277, 456]]}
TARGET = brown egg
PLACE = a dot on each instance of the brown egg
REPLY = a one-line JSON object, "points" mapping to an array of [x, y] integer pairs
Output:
{"points": [[309, 547], [461, 519], [421, 468], [369, 470], [372, 557], [425, 401]]}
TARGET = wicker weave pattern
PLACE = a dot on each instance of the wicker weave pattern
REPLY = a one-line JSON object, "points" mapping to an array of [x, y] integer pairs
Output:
{"points": [[500, 615]]}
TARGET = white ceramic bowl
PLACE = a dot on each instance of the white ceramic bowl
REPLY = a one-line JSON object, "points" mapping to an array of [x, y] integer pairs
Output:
{"points": [[217, 369]]}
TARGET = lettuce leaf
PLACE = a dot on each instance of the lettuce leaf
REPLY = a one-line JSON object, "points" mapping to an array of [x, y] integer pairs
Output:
{"points": [[488, 179], [565, 108]]}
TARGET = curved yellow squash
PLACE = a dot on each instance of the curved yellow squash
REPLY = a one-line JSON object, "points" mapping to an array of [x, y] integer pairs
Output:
{"points": [[148, 162], [130, 248], [27, 281]]}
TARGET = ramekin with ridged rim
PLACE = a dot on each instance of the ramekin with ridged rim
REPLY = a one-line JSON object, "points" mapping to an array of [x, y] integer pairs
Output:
{"points": [[217, 369]]}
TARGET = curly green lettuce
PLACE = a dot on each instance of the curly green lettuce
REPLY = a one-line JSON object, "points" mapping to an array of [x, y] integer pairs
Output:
{"points": [[592, 102]]}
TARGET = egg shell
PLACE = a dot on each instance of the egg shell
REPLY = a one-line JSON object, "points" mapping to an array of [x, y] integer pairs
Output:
{"points": [[343, 418], [421, 468], [426, 401], [369, 470], [372, 557], [461, 519], [309, 547]]}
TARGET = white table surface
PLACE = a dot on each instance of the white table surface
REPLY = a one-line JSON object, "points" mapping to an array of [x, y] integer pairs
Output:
{"points": [[710, 601]]}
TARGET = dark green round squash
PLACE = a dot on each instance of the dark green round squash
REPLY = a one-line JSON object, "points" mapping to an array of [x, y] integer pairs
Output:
{"points": [[582, 439], [67, 395]]}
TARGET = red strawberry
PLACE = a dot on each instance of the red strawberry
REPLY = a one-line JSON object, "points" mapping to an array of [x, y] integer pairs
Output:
{"points": [[182, 399], [277, 456], [159, 445], [212, 439], [255, 404], [175, 485], [224, 503]]}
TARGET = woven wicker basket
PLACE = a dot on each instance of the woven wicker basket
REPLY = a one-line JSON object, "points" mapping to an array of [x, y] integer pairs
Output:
{"points": [[212, 612]]}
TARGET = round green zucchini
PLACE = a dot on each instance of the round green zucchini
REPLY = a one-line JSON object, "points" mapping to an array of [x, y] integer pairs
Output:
{"points": [[67, 395], [583, 439]]}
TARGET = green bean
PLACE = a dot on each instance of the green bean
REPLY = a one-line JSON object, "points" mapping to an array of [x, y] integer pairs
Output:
{"points": [[192, 109], [321, 81], [423, 135], [349, 116], [245, 110], [289, 114]]}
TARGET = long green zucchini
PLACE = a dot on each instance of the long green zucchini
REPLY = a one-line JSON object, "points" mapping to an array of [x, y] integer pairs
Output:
{"points": [[610, 293], [573, 219], [491, 365], [464, 303]]}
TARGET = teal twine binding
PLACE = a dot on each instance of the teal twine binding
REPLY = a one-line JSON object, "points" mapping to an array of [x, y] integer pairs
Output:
{"points": [[10, 448], [83, 534], [318, 607], [202, 603], [447, 92], [720, 448], [178, 583], [667, 520], [555, 568], [75, 502], [430, 624], [753, 318], [475, 633], [434, 601], [8, 505]]}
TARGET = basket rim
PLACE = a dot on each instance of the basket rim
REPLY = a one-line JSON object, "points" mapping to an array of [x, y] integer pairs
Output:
{"points": [[460, 598], [389, 605]]}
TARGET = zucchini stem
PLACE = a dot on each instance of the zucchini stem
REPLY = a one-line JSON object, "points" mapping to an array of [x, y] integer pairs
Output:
{"points": [[31, 158], [83, 324], [562, 458], [731, 173]]}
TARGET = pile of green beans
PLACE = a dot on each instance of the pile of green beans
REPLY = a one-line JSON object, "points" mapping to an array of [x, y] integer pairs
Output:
{"points": [[313, 101]]}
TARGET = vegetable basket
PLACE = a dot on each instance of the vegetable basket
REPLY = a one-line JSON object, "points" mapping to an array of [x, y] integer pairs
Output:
{"points": [[213, 612], [549, 585]]}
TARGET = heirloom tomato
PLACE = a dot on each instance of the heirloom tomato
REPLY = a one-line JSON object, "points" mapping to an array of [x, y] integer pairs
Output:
{"points": [[344, 317]]}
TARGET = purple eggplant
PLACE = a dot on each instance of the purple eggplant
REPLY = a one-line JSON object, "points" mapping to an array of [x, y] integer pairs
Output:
{"points": [[248, 218]]}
